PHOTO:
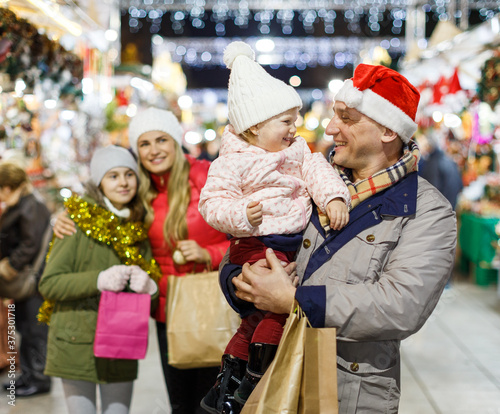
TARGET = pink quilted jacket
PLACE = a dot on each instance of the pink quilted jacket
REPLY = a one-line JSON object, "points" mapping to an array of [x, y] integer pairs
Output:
{"points": [[282, 181]]}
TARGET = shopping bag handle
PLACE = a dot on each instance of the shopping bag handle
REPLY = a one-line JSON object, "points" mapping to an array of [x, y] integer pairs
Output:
{"points": [[296, 308]]}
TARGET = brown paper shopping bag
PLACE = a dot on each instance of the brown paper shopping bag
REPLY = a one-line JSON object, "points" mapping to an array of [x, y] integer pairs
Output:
{"points": [[318, 392], [200, 322], [278, 390]]}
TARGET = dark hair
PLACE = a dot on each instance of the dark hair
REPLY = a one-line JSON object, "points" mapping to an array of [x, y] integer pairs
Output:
{"points": [[12, 175]]}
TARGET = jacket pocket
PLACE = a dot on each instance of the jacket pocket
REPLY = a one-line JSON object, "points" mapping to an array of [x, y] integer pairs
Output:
{"points": [[368, 388], [362, 259], [70, 346], [368, 377], [366, 393], [75, 336]]}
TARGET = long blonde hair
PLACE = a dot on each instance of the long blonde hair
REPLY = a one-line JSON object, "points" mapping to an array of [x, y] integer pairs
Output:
{"points": [[178, 197]]}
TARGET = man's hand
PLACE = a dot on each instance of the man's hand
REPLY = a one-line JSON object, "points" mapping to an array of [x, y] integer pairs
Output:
{"points": [[270, 287]]}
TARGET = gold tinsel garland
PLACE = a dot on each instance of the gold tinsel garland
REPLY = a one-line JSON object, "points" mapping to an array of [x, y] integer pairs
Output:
{"points": [[103, 226]]}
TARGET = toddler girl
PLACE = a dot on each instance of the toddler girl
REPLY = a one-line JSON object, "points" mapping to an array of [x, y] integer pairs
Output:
{"points": [[259, 191]]}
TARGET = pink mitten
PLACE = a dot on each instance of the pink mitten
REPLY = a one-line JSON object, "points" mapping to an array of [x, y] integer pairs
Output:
{"points": [[140, 281], [114, 278]]}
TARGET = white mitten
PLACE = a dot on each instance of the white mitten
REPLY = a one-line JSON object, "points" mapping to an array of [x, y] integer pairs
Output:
{"points": [[140, 281], [114, 278]]}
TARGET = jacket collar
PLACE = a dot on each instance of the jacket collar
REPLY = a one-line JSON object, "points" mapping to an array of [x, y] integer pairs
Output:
{"points": [[399, 200], [160, 182]]}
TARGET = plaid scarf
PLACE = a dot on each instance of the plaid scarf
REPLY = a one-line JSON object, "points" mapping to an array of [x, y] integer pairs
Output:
{"points": [[383, 179], [379, 181]]}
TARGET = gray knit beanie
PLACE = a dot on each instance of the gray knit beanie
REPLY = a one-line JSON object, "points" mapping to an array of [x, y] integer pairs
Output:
{"points": [[107, 158]]}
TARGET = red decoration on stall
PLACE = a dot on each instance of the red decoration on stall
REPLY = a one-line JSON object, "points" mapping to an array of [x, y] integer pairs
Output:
{"points": [[454, 83], [440, 89], [121, 98]]}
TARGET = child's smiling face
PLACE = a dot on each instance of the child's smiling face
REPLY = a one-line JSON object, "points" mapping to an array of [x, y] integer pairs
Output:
{"points": [[119, 185], [276, 133]]}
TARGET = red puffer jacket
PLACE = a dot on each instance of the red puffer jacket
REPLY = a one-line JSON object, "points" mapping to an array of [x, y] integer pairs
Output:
{"points": [[198, 230]]}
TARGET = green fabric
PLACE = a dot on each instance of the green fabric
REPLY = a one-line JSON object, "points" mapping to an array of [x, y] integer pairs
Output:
{"points": [[70, 278], [477, 235], [477, 240]]}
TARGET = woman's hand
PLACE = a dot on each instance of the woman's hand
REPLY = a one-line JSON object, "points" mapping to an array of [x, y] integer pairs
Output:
{"points": [[193, 252], [140, 281], [63, 225]]}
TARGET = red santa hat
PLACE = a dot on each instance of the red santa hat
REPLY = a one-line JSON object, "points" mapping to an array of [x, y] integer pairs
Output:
{"points": [[383, 95]]}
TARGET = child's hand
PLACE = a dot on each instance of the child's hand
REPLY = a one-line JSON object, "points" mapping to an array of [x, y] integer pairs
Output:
{"points": [[337, 213], [114, 278], [254, 213]]}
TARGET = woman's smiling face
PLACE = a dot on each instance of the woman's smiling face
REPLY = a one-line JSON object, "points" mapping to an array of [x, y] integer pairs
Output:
{"points": [[156, 151]]}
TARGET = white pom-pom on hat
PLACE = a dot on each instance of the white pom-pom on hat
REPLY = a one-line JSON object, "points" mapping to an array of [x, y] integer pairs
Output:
{"points": [[235, 49]]}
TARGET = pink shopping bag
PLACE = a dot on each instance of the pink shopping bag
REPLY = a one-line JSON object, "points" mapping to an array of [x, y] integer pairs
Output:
{"points": [[122, 325]]}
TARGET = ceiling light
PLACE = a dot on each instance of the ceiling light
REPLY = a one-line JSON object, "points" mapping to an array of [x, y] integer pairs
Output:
{"points": [[265, 45]]}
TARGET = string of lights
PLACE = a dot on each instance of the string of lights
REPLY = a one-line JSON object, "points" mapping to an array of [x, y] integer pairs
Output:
{"points": [[277, 51], [241, 12], [297, 4], [293, 34]]}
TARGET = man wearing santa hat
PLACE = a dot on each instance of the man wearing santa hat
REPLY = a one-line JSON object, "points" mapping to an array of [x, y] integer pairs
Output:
{"points": [[378, 279]]}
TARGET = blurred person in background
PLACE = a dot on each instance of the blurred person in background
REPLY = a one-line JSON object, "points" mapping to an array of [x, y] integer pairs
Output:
{"points": [[23, 223], [438, 168]]}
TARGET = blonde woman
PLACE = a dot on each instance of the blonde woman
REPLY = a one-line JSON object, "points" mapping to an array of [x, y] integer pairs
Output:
{"points": [[182, 242]]}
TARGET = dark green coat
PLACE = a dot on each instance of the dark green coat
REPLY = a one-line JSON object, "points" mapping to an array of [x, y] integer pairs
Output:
{"points": [[70, 278]]}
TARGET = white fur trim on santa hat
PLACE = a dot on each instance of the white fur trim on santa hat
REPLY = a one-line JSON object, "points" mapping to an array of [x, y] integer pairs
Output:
{"points": [[154, 119], [377, 108]]}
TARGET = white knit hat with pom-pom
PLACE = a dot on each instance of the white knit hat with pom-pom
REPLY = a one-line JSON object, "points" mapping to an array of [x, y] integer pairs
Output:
{"points": [[254, 95]]}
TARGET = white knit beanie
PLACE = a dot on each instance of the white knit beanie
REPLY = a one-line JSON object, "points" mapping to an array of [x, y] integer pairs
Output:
{"points": [[254, 95], [154, 119], [107, 158]]}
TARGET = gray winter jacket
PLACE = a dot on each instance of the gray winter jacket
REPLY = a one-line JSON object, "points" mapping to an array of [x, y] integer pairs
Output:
{"points": [[377, 281], [379, 287]]}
